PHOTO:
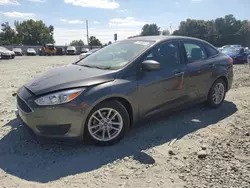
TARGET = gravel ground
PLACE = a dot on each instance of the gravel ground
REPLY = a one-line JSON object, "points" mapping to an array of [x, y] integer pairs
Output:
{"points": [[198, 147]]}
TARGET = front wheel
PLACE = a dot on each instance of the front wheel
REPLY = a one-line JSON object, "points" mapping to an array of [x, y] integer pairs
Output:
{"points": [[217, 94], [107, 123]]}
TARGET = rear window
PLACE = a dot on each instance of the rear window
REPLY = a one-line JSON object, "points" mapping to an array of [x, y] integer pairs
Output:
{"points": [[210, 50]]}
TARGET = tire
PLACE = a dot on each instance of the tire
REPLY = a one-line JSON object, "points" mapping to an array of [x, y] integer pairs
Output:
{"points": [[118, 133], [211, 101]]}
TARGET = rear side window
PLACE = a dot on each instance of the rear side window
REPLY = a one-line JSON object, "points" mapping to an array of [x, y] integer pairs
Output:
{"points": [[210, 50], [194, 52]]}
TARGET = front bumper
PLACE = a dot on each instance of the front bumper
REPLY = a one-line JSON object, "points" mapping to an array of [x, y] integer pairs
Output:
{"points": [[18, 53], [3, 56], [62, 121], [31, 53]]}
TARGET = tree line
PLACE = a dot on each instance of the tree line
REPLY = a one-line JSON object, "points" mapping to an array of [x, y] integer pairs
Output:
{"points": [[219, 32], [31, 32], [28, 32]]}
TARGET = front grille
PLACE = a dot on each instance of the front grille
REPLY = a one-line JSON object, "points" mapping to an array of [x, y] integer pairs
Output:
{"points": [[24, 107], [54, 129], [71, 51]]}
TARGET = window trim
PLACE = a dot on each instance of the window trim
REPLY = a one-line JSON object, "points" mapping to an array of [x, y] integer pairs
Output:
{"points": [[205, 46], [196, 43]]}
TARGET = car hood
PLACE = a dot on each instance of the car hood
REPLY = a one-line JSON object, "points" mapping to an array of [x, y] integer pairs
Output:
{"points": [[6, 51], [69, 76]]}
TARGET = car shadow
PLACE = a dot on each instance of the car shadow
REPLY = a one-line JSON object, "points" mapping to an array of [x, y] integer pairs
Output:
{"points": [[42, 160]]}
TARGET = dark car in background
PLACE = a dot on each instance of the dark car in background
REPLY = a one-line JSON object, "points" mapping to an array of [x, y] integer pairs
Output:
{"points": [[60, 51], [18, 51], [101, 96], [238, 54]]}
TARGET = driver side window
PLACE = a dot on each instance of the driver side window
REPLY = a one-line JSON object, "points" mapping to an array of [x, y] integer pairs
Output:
{"points": [[167, 54]]}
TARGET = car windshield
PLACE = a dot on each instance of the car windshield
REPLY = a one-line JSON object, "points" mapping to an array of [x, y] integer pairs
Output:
{"points": [[31, 49], [16, 49], [115, 55], [231, 50], [71, 48]]}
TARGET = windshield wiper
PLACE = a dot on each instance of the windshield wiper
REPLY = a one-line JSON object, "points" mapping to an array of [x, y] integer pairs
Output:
{"points": [[97, 67]]}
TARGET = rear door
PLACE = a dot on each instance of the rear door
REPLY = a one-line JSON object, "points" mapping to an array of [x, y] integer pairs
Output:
{"points": [[165, 87], [200, 69]]}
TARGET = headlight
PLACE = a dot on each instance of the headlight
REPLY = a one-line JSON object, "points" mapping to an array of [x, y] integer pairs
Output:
{"points": [[59, 97]]}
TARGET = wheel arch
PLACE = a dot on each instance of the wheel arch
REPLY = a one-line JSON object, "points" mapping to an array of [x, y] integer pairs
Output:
{"points": [[224, 78], [124, 101]]}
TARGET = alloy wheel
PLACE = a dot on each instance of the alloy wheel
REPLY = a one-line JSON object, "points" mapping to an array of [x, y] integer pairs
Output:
{"points": [[105, 124]]}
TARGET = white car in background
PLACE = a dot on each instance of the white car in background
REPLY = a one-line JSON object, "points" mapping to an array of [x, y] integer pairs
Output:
{"points": [[71, 50], [31, 51], [17, 51], [83, 55], [84, 50], [6, 53]]}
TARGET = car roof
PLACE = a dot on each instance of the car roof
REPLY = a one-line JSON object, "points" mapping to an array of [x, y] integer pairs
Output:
{"points": [[162, 38]]}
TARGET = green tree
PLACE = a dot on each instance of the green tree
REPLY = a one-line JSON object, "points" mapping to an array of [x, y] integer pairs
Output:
{"points": [[7, 35], [221, 31], [93, 41], [77, 43], [30, 32], [165, 32], [150, 30]]}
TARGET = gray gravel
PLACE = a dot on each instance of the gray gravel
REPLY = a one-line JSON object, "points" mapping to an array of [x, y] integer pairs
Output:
{"points": [[198, 147]]}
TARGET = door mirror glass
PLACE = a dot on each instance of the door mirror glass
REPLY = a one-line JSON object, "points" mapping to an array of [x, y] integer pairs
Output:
{"points": [[150, 65]]}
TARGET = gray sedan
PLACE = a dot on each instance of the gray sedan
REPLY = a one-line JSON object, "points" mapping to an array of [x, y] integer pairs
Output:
{"points": [[101, 96]]}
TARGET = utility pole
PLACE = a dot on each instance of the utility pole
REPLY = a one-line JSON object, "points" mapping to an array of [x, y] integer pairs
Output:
{"points": [[87, 27], [170, 28]]}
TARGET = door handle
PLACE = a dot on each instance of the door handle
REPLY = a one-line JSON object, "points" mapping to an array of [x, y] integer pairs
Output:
{"points": [[211, 65], [177, 74]]}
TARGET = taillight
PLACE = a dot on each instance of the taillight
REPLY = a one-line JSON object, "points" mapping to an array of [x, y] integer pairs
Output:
{"points": [[230, 60]]}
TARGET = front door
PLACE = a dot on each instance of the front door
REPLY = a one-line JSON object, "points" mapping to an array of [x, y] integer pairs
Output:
{"points": [[164, 87]]}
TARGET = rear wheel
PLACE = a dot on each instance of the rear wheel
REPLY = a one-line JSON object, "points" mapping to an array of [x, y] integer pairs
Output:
{"points": [[217, 94], [107, 123]]}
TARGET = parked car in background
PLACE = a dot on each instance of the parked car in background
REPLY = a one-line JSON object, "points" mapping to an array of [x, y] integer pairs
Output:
{"points": [[31, 52], [60, 51], [248, 59], [229, 46], [6, 53], [221, 48], [83, 55], [236, 46], [238, 54], [84, 50], [17, 51], [101, 96], [71, 50]]}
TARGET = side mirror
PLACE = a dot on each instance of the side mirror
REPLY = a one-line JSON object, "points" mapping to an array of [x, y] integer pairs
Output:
{"points": [[150, 65]]}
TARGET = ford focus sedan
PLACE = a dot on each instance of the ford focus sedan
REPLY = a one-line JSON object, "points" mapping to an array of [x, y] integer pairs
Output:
{"points": [[100, 97]]}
